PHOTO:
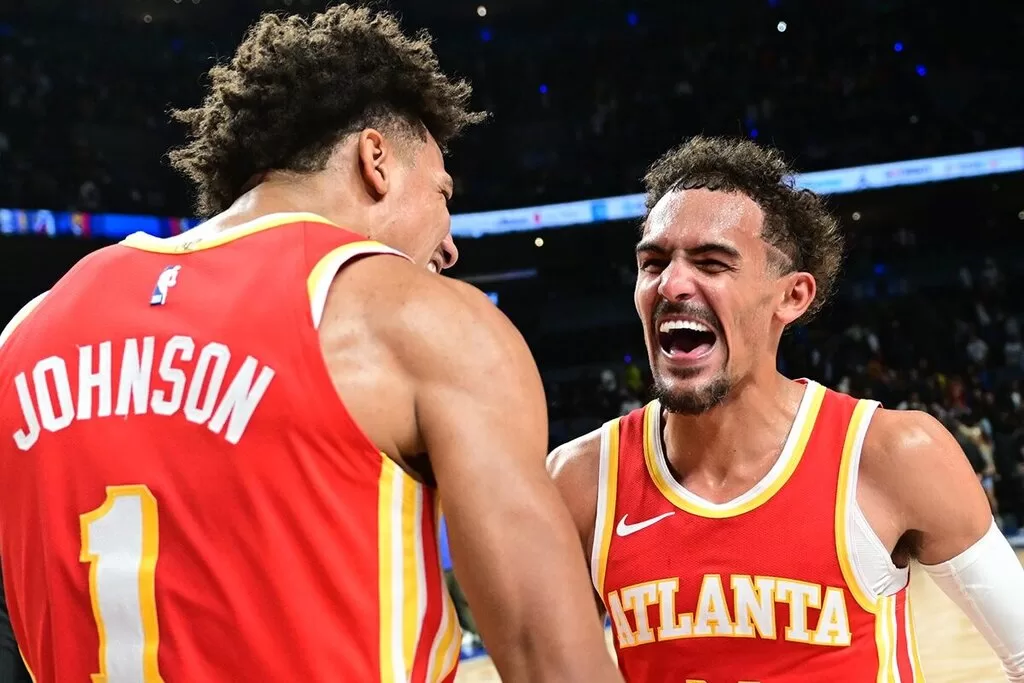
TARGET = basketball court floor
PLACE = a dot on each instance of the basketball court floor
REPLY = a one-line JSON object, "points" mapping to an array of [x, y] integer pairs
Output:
{"points": [[951, 649]]}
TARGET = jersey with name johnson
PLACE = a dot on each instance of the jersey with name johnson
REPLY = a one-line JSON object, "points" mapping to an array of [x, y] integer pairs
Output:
{"points": [[186, 498]]}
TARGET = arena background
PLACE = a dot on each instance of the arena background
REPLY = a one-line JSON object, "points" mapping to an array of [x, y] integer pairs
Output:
{"points": [[908, 114]]}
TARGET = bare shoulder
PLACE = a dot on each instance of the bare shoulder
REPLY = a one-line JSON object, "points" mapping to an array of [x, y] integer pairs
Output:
{"points": [[577, 457], [421, 315], [399, 339], [464, 331], [909, 442], [916, 467], [575, 468]]}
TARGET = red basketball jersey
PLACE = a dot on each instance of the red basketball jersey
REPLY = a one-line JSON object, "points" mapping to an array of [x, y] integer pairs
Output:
{"points": [[185, 496], [758, 590]]}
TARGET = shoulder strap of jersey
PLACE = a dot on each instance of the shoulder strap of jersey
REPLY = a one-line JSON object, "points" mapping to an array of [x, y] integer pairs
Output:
{"points": [[187, 242], [846, 499], [604, 521], [323, 272], [621, 438]]}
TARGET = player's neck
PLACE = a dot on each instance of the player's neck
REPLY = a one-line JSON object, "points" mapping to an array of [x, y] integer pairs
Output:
{"points": [[276, 195], [751, 425]]}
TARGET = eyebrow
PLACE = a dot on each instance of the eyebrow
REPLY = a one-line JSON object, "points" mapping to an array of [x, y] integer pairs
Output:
{"points": [[649, 246], [448, 186]]}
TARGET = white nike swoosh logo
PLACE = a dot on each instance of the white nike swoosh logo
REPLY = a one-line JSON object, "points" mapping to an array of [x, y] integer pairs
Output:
{"points": [[624, 529]]}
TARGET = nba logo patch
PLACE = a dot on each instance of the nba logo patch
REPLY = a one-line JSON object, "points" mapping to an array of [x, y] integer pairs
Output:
{"points": [[168, 278]]}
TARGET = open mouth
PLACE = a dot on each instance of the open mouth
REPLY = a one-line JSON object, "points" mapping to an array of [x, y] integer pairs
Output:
{"points": [[685, 338]]}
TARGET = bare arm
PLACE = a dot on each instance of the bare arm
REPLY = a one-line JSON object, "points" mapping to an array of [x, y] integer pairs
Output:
{"points": [[930, 491], [483, 420], [938, 504], [574, 467]]}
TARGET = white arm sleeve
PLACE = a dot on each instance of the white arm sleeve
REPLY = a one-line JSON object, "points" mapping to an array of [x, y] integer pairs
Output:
{"points": [[986, 581]]}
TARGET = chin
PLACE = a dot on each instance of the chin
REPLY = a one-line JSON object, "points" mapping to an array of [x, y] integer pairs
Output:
{"points": [[692, 395]]}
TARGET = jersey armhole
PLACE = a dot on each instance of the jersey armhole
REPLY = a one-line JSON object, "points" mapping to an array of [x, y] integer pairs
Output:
{"points": [[20, 316], [871, 561], [604, 519], [866, 565], [323, 273]]}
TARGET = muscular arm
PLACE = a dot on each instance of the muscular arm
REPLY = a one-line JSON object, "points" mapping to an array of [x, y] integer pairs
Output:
{"points": [[574, 467], [483, 421], [935, 502]]}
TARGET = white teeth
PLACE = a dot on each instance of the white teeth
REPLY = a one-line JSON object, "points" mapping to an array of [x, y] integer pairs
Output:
{"points": [[670, 325], [432, 267]]}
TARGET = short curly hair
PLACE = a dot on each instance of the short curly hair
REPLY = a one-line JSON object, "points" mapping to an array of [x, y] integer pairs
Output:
{"points": [[796, 222], [295, 87]]}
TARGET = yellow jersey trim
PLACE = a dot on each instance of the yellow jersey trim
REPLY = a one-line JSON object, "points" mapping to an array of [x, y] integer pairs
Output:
{"points": [[608, 480], [182, 244], [389, 507], [658, 470], [887, 627], [844, 494], [323, 273], [402, 579], [24, 661], [911, 635], [444, 651], [885, 619]]}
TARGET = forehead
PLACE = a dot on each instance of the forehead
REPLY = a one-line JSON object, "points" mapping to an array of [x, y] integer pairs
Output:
{"points": [[685, 219]]}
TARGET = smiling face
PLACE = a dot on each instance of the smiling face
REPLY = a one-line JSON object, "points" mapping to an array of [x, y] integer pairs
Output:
{"points": [[712, 295]]}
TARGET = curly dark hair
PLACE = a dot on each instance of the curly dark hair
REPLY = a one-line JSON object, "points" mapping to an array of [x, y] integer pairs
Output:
{"points": [[295, 87], [796, 222]]}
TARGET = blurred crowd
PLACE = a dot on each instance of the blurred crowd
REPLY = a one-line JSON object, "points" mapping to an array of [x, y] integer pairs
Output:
{"points": [[583, 96]]}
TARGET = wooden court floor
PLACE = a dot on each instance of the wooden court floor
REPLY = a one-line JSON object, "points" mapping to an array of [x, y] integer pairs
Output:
{"points": [[951, 649]]}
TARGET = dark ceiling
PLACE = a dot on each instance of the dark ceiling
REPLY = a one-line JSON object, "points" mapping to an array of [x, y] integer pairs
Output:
{"points": [[185, 12]]}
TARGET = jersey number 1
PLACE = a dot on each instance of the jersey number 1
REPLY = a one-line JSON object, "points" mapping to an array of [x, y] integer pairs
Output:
{"points": [[120, 541]]}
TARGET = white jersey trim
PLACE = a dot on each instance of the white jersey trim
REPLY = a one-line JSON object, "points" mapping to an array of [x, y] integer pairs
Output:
{"points": [[605, 512], [324, 272], [871, 562], [789, 451]]}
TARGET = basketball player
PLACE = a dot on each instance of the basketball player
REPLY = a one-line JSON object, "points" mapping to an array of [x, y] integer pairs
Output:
{"points": [[220, 450], [747, 527]]}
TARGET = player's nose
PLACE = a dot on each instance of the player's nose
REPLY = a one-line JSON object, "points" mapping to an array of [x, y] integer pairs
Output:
{"points": [[677, 282], [449, 252]]}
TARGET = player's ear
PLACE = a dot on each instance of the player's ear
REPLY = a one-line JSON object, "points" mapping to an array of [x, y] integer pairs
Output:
{"points": [[373, 153], [797, 295]]}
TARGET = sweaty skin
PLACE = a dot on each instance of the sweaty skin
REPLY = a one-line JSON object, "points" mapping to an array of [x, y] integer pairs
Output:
{"points": [[428, 365]]}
